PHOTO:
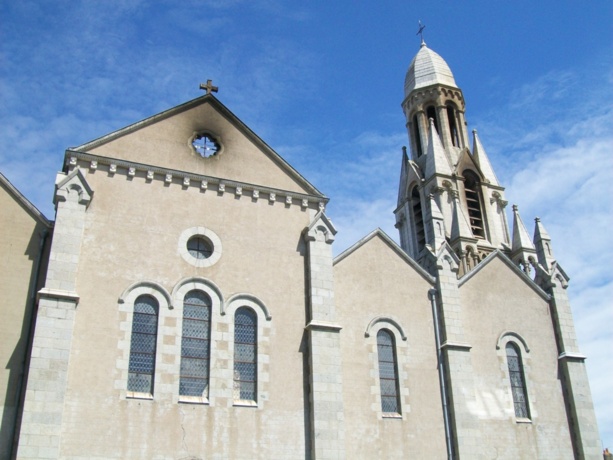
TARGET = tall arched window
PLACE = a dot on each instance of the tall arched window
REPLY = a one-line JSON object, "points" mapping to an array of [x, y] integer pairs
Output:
{"points": [[195, 344], [245, 354], [453, 128], [143, 345], [417, 136], [473, 202], [518, 381], [388, 372], [418, 219]]}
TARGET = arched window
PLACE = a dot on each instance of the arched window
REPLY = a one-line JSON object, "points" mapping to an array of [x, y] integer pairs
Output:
{"points": [[245, 354], [195, 344], [388, 372], [143, 345], [453, 128], [417, 136], [418, 219], [473, 202], [518, 381], [431, 113]]}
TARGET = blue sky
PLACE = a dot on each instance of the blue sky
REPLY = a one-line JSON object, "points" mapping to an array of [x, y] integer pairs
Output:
{"points": [[322, 82]]}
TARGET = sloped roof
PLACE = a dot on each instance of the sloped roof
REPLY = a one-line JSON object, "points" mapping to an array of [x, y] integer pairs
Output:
{"points": [[427, 68], [24, 202]]}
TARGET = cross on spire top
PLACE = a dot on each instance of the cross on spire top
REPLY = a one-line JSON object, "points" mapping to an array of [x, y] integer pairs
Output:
{"points": [[208, 87], [420, 32]]}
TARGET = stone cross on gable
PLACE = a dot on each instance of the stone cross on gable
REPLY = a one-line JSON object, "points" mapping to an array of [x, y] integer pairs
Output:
{"points": [[209, 88]]}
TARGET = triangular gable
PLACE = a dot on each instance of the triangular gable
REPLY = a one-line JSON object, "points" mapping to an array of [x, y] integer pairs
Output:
{"points": [[24, 202], [163, 140], [378, 233], [497, 254]]}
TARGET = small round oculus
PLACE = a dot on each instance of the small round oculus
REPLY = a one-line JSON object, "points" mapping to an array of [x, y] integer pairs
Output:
{"points": [[206, 145]]}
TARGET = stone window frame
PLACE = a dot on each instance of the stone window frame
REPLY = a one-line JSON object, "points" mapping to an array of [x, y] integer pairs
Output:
{"points": [[263, 348], [503, 339], [181, 289], [392, 325], [205, 233], [126, 309]]}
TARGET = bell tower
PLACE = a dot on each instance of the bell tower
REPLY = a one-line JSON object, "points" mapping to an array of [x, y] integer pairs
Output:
{"points": [[442, 164]]}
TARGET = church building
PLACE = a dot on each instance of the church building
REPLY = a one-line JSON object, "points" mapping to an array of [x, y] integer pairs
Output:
{"points": [[185, 303]]}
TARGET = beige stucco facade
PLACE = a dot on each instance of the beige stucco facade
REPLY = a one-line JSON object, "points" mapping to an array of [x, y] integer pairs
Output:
{"points": [[384, 351]]}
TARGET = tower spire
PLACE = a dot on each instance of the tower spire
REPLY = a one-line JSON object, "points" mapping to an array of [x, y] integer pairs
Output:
{"points": [[542, 241], [482, 160], [522, 249]]}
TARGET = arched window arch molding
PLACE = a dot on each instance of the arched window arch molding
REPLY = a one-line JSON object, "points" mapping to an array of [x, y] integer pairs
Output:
{"points": [[198, 283], [246, 300], [392, 325], [156, 290], [126, 309], [508, 336], [385, 322]]}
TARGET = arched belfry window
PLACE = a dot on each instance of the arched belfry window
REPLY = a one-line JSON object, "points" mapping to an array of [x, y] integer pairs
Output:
{"points": [[388, 372], [245, 354], [518, 381], [418, 219], [453, 126], [417, 137], [431, 113], [473, 202], [195, 344], [143, 345]]}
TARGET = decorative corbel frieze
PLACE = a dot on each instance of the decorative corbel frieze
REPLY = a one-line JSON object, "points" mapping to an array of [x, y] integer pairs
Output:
{"points": [[305, 203], [255, 195], [112, 168], [204, 185], [150, 175], [131, 171], [186, 182], [272, 197], [238, 191], [168, 178], [93, 165], [288, 200], [221, 188]]}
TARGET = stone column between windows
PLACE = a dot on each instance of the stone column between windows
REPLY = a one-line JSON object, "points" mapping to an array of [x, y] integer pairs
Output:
{"points": [[582, 417], [326, 389], [41, 424], [457, 358]]}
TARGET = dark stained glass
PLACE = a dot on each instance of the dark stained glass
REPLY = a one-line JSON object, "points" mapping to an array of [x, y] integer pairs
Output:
{"points": [[518, 383], [195, 344], [388, 374], [245, 354], [143, 345]]}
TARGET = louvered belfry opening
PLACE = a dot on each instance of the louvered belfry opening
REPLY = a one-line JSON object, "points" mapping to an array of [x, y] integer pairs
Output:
{"points": [[453, 129], [420, 234], [473, 202]]}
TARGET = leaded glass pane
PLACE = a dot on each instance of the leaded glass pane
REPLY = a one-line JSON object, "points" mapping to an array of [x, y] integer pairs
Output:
{"points": [[195, 351], [389, 404], [388, 376], [245, 354], [193, 386], [518, 383], [143, 345]]}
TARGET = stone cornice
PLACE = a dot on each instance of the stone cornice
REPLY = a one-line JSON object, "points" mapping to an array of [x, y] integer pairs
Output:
{"points": [[186, 179]]}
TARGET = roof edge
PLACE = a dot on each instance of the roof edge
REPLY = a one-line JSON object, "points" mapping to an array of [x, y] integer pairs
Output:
{"points": [[393, 246], [24, 202]]}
